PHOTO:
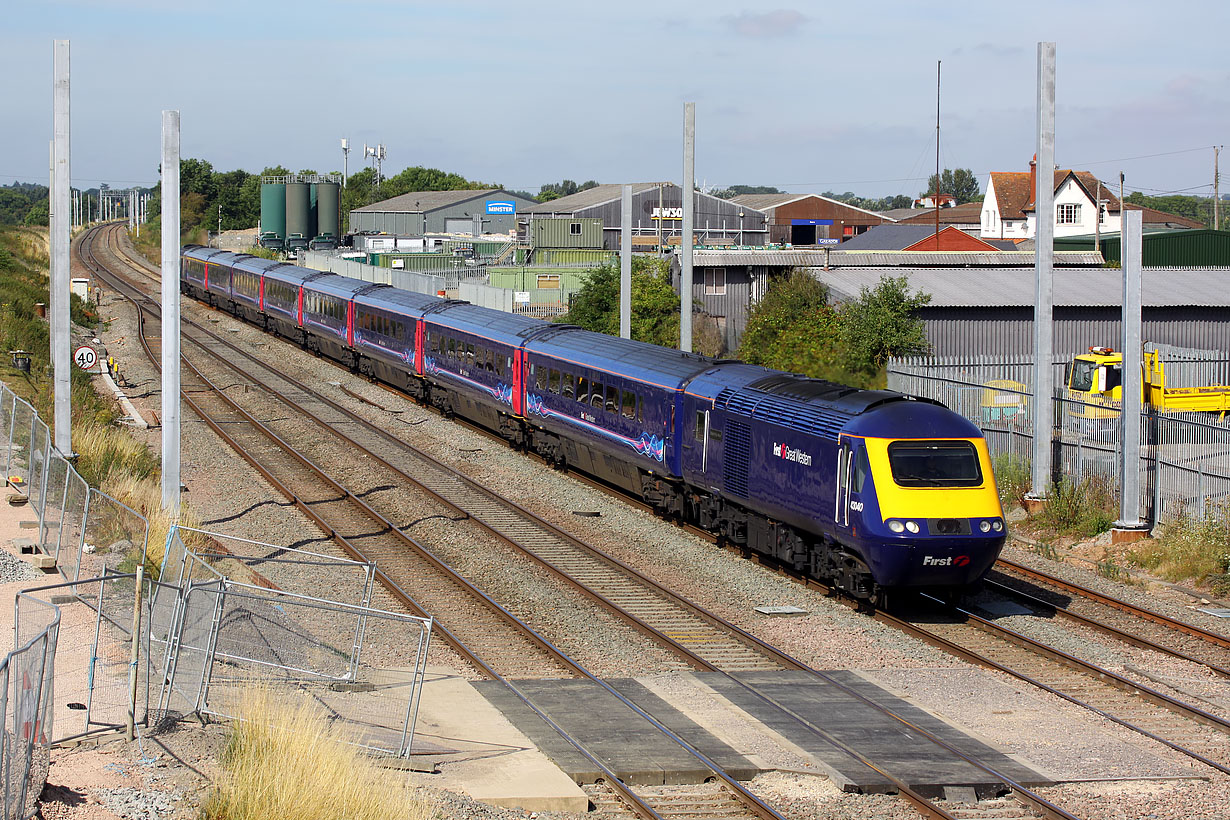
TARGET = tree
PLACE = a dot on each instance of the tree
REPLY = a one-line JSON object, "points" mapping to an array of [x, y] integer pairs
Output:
{"points": [[793, 328], [960, 184], [740, 190], [555, 190], [882, 324], [655, 305], [1198, 208]]}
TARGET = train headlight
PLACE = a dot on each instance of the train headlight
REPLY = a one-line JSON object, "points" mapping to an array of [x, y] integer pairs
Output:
{"points": [[912, 527], [985, 526], [997, 525], [896, 526]]}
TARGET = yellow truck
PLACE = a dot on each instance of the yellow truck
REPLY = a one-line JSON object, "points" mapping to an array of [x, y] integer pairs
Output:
{"points": [[1096, 379]]}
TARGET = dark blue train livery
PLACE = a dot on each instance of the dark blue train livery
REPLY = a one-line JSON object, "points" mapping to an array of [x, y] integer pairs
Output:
{"points": [[867, 490]]}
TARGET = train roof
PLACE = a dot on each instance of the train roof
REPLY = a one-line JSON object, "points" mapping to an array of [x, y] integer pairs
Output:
{"points": [[254, 264], [397, 300], [333, 285], [913, 418], [509, 328], [813, 405], [199, 251], [638, 360], [291, 274]]}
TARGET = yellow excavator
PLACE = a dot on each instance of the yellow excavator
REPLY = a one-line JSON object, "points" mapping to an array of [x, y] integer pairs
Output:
{"points": [[1096, 379]]}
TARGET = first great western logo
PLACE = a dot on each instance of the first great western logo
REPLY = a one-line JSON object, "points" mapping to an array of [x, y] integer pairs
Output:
{"points": [[788, 453]]}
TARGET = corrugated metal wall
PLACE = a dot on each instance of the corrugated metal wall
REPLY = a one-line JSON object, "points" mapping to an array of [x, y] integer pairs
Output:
{"points": [[1196, 248], [558, 233], [1009, 331], [730, 308], [391, 222]]}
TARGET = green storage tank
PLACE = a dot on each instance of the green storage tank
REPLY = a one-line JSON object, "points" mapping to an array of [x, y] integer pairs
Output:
{"points": [[328, 212], [273, 215], [298, 215]]}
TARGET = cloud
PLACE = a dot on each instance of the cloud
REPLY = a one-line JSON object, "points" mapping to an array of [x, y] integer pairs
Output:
{"points": [[775, 23]]}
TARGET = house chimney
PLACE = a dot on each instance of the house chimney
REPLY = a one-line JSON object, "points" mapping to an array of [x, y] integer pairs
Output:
{"points": [[1033, 180]]}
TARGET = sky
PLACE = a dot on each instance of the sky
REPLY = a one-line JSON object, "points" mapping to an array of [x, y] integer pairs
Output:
{"points": [[806, 97]]}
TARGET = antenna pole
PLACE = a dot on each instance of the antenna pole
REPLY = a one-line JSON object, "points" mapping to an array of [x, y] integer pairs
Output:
{"points": [[937, 155]]}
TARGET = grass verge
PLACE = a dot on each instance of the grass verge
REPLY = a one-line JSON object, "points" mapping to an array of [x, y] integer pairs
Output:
{"points": [[285, 760], [1193, 550]]}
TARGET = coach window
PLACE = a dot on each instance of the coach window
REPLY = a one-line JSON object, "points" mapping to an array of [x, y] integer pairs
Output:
{"points": [[567, 389], [595, 396], [629, 405], [700, 425], [582, 389], [540, 377], [640, 409], [480, 356], [469, 353], [612, 399], [554, 383], [452, 348]]}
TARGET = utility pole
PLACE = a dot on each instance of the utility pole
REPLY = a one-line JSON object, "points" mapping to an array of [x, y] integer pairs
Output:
{"points": [[625, 263], [60, 221], [1097, 220], [1129, 526], [1216, 191], [689, 216], [1044, 253], [170, 311], [936, 203]]}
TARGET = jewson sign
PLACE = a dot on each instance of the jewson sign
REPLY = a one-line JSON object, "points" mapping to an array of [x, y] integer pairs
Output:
{"points": [[501, 207]]}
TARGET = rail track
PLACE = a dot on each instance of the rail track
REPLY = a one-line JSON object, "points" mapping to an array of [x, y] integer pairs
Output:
{"points": [[700, 638]]}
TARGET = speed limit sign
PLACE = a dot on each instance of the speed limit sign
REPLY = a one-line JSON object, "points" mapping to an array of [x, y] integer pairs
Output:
{"points": [[85, 357]]}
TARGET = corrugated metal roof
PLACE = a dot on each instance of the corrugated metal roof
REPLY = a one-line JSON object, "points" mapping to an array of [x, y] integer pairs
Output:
{"points": [[880, 259], [1100, 287], [591, 197], [761, 202], [423, 201]]}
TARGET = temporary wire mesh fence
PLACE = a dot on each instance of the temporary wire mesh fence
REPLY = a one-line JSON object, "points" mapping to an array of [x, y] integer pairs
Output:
{"points": [[248, 614], [26, 689], [1184, 460]]}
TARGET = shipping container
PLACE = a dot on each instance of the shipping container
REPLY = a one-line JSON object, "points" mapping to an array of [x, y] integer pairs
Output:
{"points": [[567, 233]]}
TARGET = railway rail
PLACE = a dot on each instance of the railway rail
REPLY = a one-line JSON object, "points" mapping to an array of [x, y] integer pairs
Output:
{"points": [[704, 640]]}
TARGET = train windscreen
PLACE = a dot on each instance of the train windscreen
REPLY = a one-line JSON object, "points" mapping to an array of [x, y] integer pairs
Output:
{"points": [[934, 464]]}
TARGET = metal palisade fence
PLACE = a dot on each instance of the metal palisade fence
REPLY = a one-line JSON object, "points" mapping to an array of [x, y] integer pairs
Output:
{"points": [[223, 614], [1184, 459]]}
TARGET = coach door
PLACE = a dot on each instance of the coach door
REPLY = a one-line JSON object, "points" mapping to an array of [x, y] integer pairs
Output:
{"points": [[518, 386], [845, 473]]}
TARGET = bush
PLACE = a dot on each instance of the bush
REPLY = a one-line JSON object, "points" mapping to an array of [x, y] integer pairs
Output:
{"points": [[1084, 510], [285, 760], [1013, 478], [1195, 550]]}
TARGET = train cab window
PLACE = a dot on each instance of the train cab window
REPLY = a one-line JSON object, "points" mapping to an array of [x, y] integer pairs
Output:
{"points": [[612, 399], [595, 397], [540, 377], [700, 425], [934, 464], [862, 469], [567, 390], [629, 405], [582, 389], [554, 382]]}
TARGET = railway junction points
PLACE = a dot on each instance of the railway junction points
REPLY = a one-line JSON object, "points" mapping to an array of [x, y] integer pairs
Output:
{"points": [[790, 732]]}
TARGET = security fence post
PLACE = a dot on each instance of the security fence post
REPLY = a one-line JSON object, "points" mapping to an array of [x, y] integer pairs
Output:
{"points": [[130, 723]]}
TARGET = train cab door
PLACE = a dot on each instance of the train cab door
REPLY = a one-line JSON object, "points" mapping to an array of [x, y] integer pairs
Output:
{"points": [[518, 388], [845, 474], [853, 470]]}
